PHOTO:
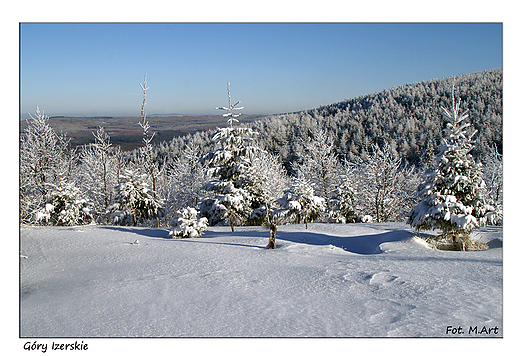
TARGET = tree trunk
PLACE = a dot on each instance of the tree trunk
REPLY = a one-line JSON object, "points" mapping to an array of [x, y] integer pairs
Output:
{"points": [[272, 234], [457, 243], [231, 222]]}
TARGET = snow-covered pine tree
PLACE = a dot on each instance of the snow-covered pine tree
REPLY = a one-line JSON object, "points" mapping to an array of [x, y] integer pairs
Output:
{"points": [[230, 108], [386, 187], [228, 164], [343, 207], [134, 202], [452, 194], [45, 158], [188, 224], [65, 207], [300, 201]]}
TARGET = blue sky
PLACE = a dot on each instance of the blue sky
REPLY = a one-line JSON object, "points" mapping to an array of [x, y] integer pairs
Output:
{"points": [[95, 69]]}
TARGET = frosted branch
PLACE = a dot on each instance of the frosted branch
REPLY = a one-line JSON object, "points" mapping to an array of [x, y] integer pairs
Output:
{"points": [[230, 109]]}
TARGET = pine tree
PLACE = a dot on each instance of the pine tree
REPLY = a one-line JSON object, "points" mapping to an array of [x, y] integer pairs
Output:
{"points": [[150, 166], [452, 194], [134, 202], [230, 108], [228, 164], [493, 176], [300, 201], [343, 206]]}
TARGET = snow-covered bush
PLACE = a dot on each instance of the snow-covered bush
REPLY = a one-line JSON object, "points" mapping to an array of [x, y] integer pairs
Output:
{"points": [[184, 178], [188, 224], [65, 207], [342, 208], [366, 219], [452, 194]]}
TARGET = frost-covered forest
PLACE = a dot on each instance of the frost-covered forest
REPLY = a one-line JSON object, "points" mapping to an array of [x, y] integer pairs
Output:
{"points": [[359, 160], [406, 116]]}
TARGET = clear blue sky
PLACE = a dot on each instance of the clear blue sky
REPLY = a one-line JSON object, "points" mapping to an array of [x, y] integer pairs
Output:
{"points": [[95, 69]]}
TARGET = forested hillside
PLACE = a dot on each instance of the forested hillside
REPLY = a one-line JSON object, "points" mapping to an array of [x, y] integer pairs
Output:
{"points": [[350, 161], [407, 117]]}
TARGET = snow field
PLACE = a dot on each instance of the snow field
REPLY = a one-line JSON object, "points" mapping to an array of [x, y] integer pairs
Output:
{"points": [[331, 280]]}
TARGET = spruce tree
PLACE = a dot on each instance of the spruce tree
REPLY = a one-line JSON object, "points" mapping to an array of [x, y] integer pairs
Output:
{"points": [[134, 202], [300, 201], [344, 205], [228, 164], [452, 194]]}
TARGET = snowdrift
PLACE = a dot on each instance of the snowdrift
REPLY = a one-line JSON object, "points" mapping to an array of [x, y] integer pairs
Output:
{"points": [[331, 280]]}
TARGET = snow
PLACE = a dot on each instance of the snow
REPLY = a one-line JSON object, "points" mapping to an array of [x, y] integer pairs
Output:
{"points": [[332, 280]]}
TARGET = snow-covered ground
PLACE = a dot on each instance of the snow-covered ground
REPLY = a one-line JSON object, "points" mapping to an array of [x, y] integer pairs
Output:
{"points": [[331, 280]]}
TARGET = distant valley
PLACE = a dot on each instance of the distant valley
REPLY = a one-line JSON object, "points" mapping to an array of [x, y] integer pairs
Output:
{"points": [[126, 132]]}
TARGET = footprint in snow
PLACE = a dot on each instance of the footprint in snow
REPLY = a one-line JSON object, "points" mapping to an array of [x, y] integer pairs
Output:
{"points": [[384, 312], [382, 278]]}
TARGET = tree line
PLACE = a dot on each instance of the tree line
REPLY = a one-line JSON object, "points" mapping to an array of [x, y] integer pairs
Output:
{"points": [[358, 160]]}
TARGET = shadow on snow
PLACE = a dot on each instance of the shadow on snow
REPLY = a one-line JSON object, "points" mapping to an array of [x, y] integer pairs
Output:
{"points": [[148, 232], [361, 244]]}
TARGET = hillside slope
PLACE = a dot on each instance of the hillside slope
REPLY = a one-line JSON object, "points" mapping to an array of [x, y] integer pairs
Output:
{"points": [[408, 117]]}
